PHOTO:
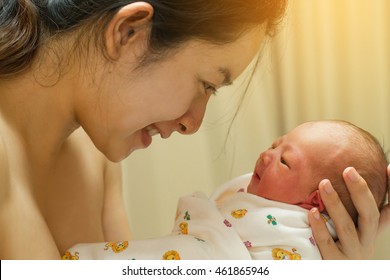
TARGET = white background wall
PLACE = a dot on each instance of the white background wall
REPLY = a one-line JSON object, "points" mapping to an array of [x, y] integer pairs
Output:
{"points": [[331, 60]]}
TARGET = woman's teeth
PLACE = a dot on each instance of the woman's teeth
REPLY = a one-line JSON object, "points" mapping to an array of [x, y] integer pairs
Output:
{"points": [[152, 131]]}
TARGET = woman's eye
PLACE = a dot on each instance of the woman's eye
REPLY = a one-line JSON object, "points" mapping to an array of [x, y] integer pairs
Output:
{"points": [[209, 89]]}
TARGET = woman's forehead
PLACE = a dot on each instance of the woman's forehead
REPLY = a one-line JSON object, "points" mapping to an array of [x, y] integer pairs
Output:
{"points": [[229, 60]]}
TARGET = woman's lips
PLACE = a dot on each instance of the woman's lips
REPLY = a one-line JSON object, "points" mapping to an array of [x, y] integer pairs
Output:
{"points": [[147, 134], [152, 130]]}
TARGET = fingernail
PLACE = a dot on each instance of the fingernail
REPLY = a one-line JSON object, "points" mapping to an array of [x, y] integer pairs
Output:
{"points": [[315, 213], [327, 186], [352, 174]]}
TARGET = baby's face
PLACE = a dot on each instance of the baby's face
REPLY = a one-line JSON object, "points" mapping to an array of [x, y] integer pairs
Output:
{"points": [[289, 170]]}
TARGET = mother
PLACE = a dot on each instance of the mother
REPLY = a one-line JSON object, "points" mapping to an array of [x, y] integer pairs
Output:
{"points": [[83, 83]]}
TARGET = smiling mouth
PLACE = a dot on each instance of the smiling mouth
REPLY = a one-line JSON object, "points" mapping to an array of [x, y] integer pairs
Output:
{"points": [[152, 131]]}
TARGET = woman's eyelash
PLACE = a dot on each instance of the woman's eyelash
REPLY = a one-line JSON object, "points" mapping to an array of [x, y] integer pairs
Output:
{"points": [[209, 89]]}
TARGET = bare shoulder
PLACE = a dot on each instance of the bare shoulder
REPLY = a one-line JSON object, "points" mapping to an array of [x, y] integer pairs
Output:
{"points": [[18, 215]]}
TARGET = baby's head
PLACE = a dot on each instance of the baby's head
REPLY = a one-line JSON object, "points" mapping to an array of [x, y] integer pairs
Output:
{"points": [[290, 171]]}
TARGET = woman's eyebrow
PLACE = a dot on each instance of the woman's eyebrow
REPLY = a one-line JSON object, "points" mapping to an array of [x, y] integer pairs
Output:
{"points": [[227, 76]]}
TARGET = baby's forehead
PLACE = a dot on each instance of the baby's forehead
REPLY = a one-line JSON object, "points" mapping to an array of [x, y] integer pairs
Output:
{"points": [[319, 133], [319, 141], [321, 126]]}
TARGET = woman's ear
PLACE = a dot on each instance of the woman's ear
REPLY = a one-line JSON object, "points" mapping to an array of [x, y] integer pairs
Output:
{"points": [[126, 26], [313, 200]]}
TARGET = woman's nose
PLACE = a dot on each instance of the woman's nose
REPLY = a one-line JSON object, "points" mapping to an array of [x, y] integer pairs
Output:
{"points": [[191, 121], [189, 124]]}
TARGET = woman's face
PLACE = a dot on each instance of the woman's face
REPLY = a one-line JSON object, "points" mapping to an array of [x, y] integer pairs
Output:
{"points": [[130, 105]]}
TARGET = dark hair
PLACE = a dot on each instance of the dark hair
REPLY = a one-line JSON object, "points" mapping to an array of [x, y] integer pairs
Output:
{"points": [[367, 156], [19, 35], [25, 24]]}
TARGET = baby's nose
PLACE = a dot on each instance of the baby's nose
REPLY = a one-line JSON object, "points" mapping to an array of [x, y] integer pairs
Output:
{"points": [[266, 157]]}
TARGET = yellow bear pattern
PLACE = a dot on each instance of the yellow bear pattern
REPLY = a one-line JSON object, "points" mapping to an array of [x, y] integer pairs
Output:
{"points": [[183, 228], [282, 254], [117, 247], [171, 255], [239, 213], [68, 256]]}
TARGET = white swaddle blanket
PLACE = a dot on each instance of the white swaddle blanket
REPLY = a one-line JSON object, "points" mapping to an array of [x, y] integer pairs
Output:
{"points": [[232, 224]]}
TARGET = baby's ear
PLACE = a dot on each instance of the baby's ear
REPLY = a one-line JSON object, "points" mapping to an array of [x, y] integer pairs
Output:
{"points": [[313, 200]]}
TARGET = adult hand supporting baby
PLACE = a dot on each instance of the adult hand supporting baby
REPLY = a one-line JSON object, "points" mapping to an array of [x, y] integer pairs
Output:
{"points": [[384, 220], [353, 243]]}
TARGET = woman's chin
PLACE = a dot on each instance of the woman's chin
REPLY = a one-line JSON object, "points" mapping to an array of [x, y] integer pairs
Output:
{"points": [[117, 155]]}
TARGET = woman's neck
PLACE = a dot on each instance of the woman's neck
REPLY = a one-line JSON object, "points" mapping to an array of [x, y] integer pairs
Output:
{"points": [[41, 117]]}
